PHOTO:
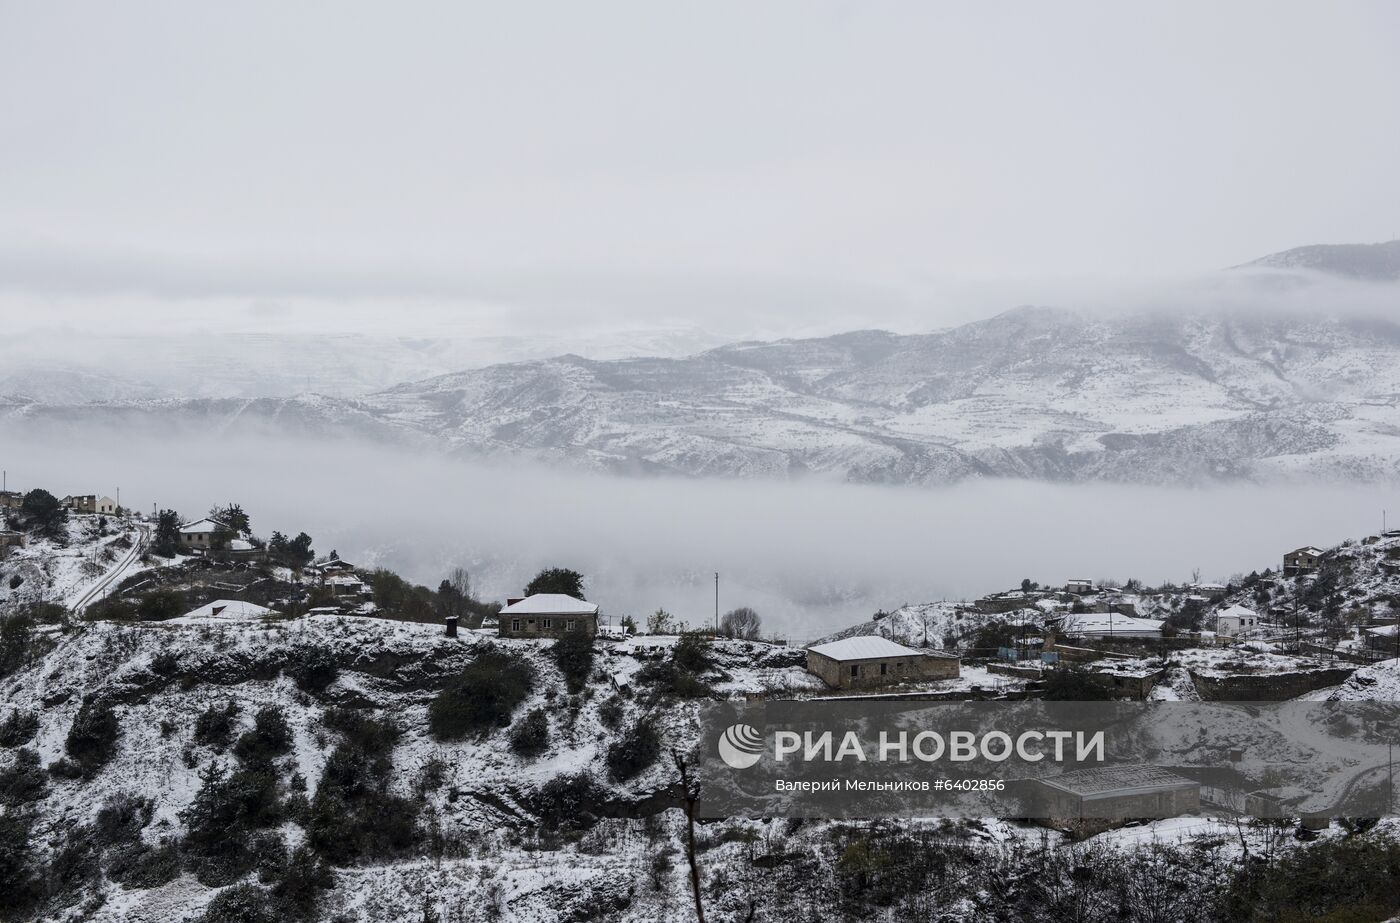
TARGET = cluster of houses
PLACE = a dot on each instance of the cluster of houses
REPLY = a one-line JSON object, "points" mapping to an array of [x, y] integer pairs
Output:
{"points": [[77, 503]]}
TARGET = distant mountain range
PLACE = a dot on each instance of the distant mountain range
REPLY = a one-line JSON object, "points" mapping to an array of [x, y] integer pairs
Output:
{"points": [[1037, 393], [1376, 262]]}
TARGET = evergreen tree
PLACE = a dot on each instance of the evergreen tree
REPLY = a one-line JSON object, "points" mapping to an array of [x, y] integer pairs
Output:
{"points": [[166, 541], [557, 580]]}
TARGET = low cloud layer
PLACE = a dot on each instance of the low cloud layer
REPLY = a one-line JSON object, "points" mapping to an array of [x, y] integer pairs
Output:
{"points": [[811, 557]]}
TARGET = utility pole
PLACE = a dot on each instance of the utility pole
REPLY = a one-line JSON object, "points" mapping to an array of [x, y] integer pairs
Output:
{"points": [[716, 602]]}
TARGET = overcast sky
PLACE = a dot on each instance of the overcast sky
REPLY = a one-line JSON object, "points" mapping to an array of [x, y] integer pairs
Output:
{"points": [[673, 160]]}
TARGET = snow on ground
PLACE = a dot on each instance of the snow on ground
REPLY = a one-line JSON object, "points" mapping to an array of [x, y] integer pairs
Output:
{"points": [[62, 572], [1379, 682], [932, 624]]}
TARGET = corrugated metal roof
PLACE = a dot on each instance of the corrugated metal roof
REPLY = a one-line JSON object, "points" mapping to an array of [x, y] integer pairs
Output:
{"points": [[865, 647], [1103, 781], [550, 604], [1107, 623]]}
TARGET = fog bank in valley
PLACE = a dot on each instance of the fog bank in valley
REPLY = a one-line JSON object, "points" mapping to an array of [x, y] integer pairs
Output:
{"points": [[810, 555]]}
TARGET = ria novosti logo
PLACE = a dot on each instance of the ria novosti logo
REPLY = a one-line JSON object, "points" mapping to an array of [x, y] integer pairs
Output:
{"points": [[740, 746]]}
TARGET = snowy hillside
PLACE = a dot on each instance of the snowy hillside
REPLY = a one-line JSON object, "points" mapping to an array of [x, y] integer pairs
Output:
{"points": [[1033, 393], [67, 573]]}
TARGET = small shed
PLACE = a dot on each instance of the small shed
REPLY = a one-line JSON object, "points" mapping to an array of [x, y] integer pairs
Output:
{"points": [[851, 663]]}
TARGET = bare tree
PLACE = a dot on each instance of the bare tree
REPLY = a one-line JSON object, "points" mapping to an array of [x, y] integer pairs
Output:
{"points": [[741, 623], [690, 794]]}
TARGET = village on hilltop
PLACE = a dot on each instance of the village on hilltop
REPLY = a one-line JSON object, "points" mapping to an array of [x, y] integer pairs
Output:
{"points": [[1302, 629]]}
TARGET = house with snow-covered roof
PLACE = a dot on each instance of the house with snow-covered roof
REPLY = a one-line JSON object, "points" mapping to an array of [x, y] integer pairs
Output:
{"points": [[199, 535], [547, 615], [868, 660], [1234, 621]]}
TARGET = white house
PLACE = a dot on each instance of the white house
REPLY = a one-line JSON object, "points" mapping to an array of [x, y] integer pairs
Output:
{"points": [[200, 534], [1236, 620], [1079, 585]]}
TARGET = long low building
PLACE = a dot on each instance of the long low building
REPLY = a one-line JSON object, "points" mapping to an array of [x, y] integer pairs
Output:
{"points": [[1108, 625], [1117, 792], [852, 663]]}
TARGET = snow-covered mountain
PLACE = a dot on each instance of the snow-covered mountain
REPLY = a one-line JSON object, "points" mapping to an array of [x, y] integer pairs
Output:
{"points": [[1378, 262], [1036, 393]]}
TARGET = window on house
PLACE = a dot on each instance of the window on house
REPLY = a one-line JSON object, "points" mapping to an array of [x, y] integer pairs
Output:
{"points": [[515, 624], [884, 669], [548, 623], [855, 671], [571, 625]]}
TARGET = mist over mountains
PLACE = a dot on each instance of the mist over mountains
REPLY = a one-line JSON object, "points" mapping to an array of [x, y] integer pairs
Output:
{"points": [[1299, 389]]}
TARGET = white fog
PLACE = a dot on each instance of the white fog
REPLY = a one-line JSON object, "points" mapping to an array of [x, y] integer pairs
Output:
{"points": [[811, 556]]}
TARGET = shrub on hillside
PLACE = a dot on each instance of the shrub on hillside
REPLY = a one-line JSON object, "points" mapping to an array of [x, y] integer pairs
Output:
{"points": [[692, 653], [270, 737], [23, 781], [225, 811], [1346, 879], [566, 801], [314, 669], [573, 654], [482, 697], [92, 740], [669, 679], [121, 818], [634, 751], [243, 903], [16, 639], [18, 728], [1072, 684], [529, 737], [353, 815], [18, 867], [129, 861], [215, 725]]}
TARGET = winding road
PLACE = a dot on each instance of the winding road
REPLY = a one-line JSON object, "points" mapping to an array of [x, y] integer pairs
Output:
{"points": [[114, 575]]}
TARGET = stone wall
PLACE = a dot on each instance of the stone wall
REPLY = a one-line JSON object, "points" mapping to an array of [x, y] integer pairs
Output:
{"points": [[1266, 687]]}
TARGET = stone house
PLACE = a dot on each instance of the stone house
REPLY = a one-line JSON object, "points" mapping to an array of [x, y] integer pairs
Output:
{"points": [[864, 662], [91, 503], [547, 615], [1301, 561], [199, 535], [1079, 585]]}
